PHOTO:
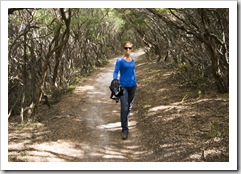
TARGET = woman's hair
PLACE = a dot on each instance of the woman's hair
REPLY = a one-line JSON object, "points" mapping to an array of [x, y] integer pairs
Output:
{"points": [[125, 42]]}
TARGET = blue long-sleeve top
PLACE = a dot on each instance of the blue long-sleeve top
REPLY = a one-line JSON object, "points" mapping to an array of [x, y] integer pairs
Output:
{"points": [[127, 72]]}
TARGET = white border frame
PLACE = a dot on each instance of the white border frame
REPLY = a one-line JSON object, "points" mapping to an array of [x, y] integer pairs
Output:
{"points": [[231, 165]]}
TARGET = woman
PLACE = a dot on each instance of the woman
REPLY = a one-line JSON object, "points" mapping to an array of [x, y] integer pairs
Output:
{"points": [[125, 64]]}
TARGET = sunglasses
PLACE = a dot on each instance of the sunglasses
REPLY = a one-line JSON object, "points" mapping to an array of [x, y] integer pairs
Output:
{"points": [[127, 48]]}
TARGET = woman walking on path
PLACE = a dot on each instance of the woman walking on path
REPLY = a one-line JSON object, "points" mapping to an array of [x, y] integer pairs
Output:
{"points": [[125, 64]]}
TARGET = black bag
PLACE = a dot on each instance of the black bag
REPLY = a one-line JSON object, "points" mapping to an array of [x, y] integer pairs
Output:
{"points": [[116, 90]]}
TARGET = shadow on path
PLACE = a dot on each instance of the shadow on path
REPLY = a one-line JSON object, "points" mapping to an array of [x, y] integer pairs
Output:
{"points": [[83, 126]]}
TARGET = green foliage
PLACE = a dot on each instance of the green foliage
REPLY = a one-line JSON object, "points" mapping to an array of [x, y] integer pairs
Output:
{"points": [[161, 10], [184, 98], [184, 66], [114, 16], [102, 63], [70, 88], [76, 80], [96, 33], [43, 16]]}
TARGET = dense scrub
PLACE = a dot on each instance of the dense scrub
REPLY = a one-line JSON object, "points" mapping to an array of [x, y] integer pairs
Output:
{"points": [[51, 50]]}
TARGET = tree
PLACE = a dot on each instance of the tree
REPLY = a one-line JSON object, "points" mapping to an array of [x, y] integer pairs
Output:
{"points": [[50, 49], [210, 28]]}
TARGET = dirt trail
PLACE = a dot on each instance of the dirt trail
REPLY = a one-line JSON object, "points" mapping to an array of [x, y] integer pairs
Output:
{"points": [[169, 123], [83, 126]]}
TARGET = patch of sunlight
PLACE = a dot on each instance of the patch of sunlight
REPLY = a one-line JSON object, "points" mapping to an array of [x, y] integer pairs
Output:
{"points": [[195, 156], [96, 92], [95, 154], [115, 126], [125, 151], [206, 100], [111, 152], [159, 108], [167, 74], [212, 152], [131, 114], [40, 153], [132, 147], [18, 146], [162, 89], [132, 123], [206, 153], [140, 152], [217, 139], [59, 148], [166, 108], [166, 145], [175, 144], [115, 111], [84, 88], [107, 149], [114, 156], [42, 133]]}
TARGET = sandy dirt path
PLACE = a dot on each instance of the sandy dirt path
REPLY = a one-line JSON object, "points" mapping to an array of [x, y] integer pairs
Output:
{"points": [[83, 126]]}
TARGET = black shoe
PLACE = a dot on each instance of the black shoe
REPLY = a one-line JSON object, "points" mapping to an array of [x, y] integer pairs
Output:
{"points": [[124, 135]]}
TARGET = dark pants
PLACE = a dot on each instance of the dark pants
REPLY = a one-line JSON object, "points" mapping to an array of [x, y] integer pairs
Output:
{"points": [[126, 104]]}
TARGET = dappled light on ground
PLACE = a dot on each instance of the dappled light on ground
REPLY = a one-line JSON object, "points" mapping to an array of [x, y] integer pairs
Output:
{"points": [[85, 126], [111, 126], [115, 126], [64, 151], [84, 88], [168, 123], [184, 124]]}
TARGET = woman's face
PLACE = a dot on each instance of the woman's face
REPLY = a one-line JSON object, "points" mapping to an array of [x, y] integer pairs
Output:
{"points": [[127, 49]]}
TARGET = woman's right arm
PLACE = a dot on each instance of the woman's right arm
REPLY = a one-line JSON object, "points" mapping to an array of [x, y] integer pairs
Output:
{"points": [[117, 68]]}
